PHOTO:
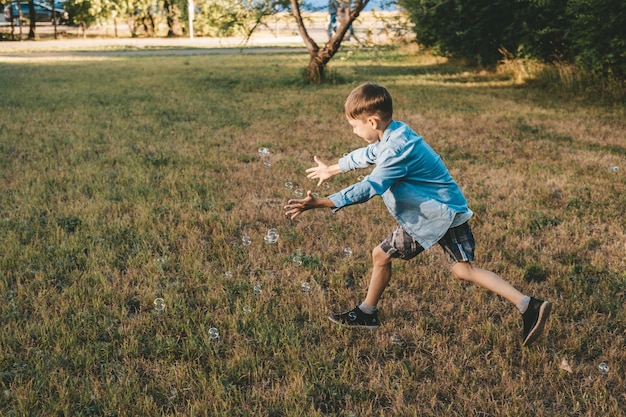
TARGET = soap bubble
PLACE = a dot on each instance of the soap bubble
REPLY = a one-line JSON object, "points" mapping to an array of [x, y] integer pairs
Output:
{"points": [[214, 333], [298, 193], [297, 260], [289, 185], [246, 240], [613, 168], [264, 152], [159, 304], [603, 368], [306, 287], [360, 178], [247, 309], [347, 251], [269, 239], [257, 289], [326, 186], [267, 163], [271, 236]]}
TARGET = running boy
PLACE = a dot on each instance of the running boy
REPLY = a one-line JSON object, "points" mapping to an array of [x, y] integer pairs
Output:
{"points": [[420, 193]]}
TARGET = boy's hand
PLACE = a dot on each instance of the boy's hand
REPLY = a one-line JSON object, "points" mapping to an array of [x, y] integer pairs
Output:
{"points": [[322, 171], [295, 207]]}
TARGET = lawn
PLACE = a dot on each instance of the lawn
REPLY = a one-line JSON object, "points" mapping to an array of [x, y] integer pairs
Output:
{"points": [[131, 178]]}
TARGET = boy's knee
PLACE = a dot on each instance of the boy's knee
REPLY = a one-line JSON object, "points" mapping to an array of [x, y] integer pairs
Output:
{"points": [[380, 257], [462, 270]]}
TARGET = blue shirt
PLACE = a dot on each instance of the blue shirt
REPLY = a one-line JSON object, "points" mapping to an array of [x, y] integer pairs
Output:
{"points": [[413, 181]]}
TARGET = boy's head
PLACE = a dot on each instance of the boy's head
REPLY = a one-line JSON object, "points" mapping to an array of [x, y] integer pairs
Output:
{"points": [[369, 100]]}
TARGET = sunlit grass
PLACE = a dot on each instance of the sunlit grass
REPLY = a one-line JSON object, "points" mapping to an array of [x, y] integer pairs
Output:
{"points": [[131, 178]]}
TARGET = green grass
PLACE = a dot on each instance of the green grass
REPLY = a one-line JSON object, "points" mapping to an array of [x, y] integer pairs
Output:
{"points": [[129, 178]]}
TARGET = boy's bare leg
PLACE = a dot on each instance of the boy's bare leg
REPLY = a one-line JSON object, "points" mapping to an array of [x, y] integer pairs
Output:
{"points": [[488, 280], [381, 274]]}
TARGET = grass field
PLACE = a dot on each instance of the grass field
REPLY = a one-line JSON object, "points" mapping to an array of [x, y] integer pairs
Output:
{"points": [[126, 179]]}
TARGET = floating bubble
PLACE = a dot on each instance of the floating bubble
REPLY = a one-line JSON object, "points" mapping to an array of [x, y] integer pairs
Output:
{"points": [[316, 195], [360, 178], [614, 168], [257, 289], [228, 275], [159, 304], [247, 309], [270, 239], [352, 316], [306, 287], [603, 368], [298, 193], [349, 283], [246, 240], [326, 186], [397, 340], [272, 232], [289, 185], [267, 163], [214, 333], [347, 251], [297, 260], [264, 152]]}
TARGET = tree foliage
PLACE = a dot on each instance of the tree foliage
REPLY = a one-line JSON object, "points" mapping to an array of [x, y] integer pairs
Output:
{"points": [[590, 33]]}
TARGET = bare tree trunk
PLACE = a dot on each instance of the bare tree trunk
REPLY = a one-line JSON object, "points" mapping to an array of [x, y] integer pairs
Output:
{"points": [[316, 71], [174, 29], [33, 18], [54, 18]]}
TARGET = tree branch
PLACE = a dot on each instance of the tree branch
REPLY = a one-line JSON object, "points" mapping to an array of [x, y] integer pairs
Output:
{"points": [[308, 41]]}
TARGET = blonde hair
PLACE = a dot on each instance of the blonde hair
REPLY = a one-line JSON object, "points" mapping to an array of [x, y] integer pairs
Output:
{"points": [[367, 100]]}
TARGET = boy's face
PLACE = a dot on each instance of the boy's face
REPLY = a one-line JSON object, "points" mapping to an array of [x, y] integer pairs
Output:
{"points": [[365, 129]]}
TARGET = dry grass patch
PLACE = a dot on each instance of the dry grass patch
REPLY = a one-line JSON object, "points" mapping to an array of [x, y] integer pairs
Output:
{"points": [[137, 178]]}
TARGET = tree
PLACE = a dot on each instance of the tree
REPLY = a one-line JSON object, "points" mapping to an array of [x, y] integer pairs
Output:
{"points": [[82, 13], [320, 56], [474, 29], [598, 36], [588, 33], [32, 20], [172, 10]]}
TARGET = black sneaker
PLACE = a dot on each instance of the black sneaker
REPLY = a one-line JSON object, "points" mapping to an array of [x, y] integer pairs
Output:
{"points": [[356, 318], [535, 319]]}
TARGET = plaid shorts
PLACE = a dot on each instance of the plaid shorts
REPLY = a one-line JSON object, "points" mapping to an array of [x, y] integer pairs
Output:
{"points": [[458, 244]]}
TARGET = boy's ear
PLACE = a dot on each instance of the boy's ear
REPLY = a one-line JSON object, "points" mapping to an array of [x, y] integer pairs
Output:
{"points": [[374, 121]]}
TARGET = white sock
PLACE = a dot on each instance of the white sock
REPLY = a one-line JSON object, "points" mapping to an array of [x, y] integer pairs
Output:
{"points": [[367, 309], [522, 306]]}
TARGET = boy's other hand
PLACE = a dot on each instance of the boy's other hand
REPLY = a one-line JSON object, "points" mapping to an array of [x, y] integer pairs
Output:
{"points": [[295, 207]]}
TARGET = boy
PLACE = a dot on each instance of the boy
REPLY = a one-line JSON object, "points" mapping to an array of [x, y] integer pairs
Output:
{"points": [[420, 193]]}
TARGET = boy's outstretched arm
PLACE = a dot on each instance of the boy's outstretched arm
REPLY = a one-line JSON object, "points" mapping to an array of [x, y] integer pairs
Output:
{"points": [[322, 171], [295, 207]]}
